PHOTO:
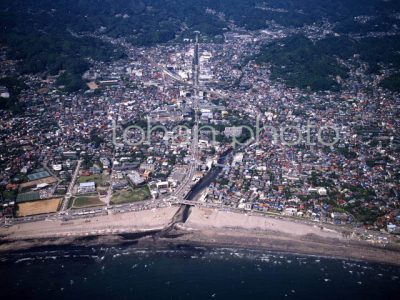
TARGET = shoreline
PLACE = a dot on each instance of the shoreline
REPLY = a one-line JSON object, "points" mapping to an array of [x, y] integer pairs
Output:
{"points": [[210, 228], [147, 243], [324, 248]]}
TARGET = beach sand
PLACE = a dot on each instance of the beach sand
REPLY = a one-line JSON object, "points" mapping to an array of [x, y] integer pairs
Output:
{"points": [[204, 227], [145, 220], [221, 228], [211, 218]]}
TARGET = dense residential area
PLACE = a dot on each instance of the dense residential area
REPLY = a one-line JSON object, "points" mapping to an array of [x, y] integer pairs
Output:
{"points": [[234, 112]]}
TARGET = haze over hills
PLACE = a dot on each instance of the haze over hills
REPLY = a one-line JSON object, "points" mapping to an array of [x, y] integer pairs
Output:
{"points": [[45, 34]]}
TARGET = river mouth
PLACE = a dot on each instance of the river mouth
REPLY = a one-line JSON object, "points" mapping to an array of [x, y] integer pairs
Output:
{"points": [[180, 217], [209, 178], [203, 183]]}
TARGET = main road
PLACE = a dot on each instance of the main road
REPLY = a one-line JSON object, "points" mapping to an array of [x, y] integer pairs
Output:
{"points": [[68, 195], [184, 188]]}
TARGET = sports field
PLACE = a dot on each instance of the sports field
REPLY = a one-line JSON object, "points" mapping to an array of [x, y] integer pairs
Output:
{"points": [[38, 207]]}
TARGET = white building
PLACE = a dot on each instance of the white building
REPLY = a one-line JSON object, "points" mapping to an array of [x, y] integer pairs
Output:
{"points": [[233, 131], [87, 187]]}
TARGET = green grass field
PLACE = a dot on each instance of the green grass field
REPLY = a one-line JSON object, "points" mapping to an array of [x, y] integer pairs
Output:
{"points": [[99, 179], [131, 195], [90, 200]]}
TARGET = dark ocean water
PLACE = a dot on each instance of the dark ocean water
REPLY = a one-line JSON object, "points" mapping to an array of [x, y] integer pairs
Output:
{"points": [[190, 273]]}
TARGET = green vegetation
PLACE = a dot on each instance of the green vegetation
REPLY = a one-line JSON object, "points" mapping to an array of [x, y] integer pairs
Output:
{"points": [[381, 22], [97, 178], [9, 195], [131, 195], [143, 22], [392, 83], [39, 37], [89, 200], [14, 87], [56, 51], [253, 14], [347, 153], [300, 63], [46, 35], [367, 216], [374, 51]]}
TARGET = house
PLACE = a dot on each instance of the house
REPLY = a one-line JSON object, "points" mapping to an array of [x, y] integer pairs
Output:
{"points": [[119, 184], [4, 92], [95, 170], [290, 211], [105, 161], [391, 228], [57, 167], [339, 216], [206, 114], [322, 191]]}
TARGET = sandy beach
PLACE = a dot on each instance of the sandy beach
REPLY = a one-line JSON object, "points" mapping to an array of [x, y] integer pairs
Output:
{"points": [[139, 221], [204, 227], [222, 228], [211, 218]]}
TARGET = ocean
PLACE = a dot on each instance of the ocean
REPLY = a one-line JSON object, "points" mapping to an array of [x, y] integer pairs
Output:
{"points": [[190, 273]]}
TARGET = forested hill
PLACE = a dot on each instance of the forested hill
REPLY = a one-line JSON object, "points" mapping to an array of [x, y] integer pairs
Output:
{"points": [[39, 31], [154, 21]]}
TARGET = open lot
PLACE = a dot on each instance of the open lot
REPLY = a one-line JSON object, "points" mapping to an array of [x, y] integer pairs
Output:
{"points": [[100, 180], [89, 200], [131, 195], [38, 207]]}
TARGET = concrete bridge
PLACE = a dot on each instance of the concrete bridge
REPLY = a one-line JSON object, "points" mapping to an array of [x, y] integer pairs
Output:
{"points": [[187, 202], [220, 165], [197, 204]]}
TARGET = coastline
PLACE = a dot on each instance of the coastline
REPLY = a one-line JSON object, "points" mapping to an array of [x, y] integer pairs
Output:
{"points": [[322, 248], [223, 228], [204, 228]]}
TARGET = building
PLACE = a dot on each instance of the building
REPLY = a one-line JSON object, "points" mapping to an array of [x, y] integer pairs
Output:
{"points": [[391, 228], [233, 131], [339, 216], [106, 162], [135, 178], [162, 185], [4, 92], [87, 187], [322, 191], [57, 167]]}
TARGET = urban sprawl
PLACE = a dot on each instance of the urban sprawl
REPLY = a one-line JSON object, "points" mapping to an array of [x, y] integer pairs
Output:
{"points": [[76, 155]]}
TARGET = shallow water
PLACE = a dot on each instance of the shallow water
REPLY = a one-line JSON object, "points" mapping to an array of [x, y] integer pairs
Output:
{"points": [[190, 273]]}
